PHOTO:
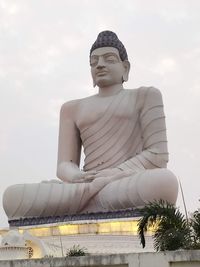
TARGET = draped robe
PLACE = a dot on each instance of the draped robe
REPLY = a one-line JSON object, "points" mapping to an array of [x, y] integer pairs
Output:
{"points": [[130, 136]]}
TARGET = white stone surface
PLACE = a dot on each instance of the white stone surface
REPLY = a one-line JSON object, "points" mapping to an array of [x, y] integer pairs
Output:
{"points": [[98, 244], [123, 134], [16, 245], [13, 252], [160, 259], [13, 238], [97, 236]]}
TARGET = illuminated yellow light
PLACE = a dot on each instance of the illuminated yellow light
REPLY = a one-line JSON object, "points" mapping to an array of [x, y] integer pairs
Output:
{"points": [[104, 228], [21, 231], [115, 226], [126, 227], [45, 231], [69, 229], [112, 227], [134, 227]]}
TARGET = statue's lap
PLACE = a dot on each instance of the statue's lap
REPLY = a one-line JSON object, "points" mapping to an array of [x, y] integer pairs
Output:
{"points": [[57, 198]]}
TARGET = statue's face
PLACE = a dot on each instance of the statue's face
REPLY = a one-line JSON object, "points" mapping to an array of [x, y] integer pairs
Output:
{"points": [[107, 67]]}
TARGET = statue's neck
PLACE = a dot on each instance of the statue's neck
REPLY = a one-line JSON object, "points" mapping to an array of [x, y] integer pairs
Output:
{"points": [[110, 90]]}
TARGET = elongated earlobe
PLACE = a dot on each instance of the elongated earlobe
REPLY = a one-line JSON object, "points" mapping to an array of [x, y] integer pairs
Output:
{"points": [[126, 72], [124, 78], [94, 84]]}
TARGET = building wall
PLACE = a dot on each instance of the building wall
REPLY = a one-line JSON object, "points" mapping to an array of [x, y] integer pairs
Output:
{"points": [[185, 264], [159, 259]]}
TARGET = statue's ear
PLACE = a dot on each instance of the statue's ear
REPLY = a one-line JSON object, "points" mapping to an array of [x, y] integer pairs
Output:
{"points": [[127, 66], [94, 84]]}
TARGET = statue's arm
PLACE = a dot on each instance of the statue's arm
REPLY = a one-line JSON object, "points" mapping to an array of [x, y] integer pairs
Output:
{"points": [[69, 144], [153, 128]]}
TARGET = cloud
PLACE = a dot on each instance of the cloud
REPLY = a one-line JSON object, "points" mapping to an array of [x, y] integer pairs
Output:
{"points": [[53, 109], [44, 61], [166, 65], [9, 8]]}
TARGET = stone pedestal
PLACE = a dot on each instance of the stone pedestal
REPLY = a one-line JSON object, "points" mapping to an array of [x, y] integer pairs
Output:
{"points": [[98, 236]]}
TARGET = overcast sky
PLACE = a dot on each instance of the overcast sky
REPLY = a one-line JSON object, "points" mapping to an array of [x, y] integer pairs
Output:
{"points": [[44, 61]]}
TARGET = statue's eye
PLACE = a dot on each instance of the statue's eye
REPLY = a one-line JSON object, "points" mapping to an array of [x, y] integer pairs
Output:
{"points": [[94, 61], [107, 58], [111, 59]]}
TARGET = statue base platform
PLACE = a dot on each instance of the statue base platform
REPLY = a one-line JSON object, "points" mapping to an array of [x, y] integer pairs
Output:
{"points": [[125, 213], [105, 233]]}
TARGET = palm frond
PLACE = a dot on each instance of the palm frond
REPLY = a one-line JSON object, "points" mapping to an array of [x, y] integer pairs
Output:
{"points": [[195, 225], [172, 231]]}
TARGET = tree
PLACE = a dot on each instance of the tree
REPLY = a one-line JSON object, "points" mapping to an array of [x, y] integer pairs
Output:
{"points": [[195, 225], [172, 230]]}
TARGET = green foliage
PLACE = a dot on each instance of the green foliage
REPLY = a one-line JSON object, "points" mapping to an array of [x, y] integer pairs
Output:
{"points": [[195, 225], [172, 230], [76, 251]]}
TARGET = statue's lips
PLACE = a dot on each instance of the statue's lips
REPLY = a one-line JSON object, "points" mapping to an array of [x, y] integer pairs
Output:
{"points": [[101, 73]]}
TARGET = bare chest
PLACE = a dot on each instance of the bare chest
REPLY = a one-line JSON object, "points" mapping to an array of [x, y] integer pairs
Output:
{"points": [[94, 109]]}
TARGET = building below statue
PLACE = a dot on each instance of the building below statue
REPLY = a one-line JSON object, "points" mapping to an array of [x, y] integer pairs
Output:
{"points": [[97, 235]]}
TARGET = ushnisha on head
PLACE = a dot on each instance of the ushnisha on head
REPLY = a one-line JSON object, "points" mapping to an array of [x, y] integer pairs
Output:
{"points": [[108, 60], [109, 39]]}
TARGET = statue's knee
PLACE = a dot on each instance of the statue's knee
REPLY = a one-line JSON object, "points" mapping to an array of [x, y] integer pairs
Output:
{"points": [[12, 197], [166, 179], [158, 184], [38, 199], [20, 198]]}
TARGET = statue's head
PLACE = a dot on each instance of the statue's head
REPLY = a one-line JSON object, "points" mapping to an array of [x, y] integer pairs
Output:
{"points": [[108, 60]]}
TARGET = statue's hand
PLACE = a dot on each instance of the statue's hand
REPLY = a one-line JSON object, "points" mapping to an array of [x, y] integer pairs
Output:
{"points": [[92, 175], [108, 172], [70, 173], [86, 177], [111, 173]]}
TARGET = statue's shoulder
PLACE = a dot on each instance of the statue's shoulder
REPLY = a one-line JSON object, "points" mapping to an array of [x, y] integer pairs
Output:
{"points": [[148, 92], [69, 104], [75, 103], [73, 107], [144, 90], [147, 95], [69, 107]]}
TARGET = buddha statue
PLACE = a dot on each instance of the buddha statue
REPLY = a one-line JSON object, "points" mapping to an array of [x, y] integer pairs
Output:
{"points": [[123, 134]]}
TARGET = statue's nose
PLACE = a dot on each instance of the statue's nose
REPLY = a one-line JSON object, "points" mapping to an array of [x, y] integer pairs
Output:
{"points": [[101, 62]]}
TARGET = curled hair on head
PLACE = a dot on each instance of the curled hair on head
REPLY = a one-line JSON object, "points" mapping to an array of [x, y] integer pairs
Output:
{"points": [[110, 39]]}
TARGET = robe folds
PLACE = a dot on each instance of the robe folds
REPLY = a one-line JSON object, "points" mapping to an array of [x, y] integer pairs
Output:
{"points": [[129, 137], [130, 133]]}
